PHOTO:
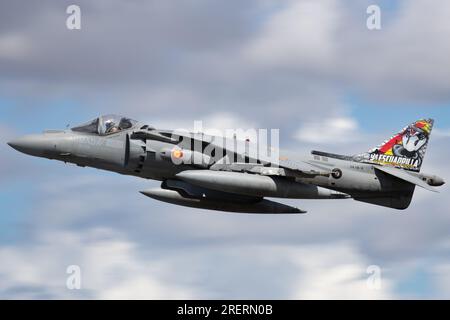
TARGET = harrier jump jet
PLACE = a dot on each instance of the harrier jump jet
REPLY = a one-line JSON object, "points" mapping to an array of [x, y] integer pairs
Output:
{"points": [[210, 172]]}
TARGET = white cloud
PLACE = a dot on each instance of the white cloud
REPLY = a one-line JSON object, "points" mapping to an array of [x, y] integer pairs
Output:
{"points": [[326, 41], [329, 131], [13, 46], [212, 121], [110, 268], [335, 272], [302, 33], [402, 62], [217, 124]]}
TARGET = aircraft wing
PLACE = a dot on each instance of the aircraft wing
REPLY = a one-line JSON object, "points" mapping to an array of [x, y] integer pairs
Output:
{"points": [[262, 164], [404, 175]]}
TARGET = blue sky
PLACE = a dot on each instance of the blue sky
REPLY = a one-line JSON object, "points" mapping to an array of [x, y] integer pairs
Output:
{"points": [[372, 115]]}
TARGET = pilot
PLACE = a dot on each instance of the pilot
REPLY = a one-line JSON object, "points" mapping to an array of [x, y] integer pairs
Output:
{"points": [[111, 127]]}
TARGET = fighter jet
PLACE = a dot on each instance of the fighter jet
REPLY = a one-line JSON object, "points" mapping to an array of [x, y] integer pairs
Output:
{"points": [[213, 172]]}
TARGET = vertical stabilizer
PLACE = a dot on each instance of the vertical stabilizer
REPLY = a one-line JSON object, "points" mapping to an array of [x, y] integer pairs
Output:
{"points": [[405, 149]]}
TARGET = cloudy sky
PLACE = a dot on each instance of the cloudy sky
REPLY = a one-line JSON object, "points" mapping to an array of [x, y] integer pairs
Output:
{"points": [[310, 68]]}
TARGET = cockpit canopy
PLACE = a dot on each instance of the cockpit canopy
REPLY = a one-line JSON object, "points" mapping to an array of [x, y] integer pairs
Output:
{"points": [[105, 125]]}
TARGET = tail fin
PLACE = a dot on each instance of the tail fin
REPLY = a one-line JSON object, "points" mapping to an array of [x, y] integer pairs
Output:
{"points": [[405, 149]]}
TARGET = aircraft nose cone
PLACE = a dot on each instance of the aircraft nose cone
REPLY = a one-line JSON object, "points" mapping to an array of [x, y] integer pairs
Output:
{"points": [[16, 144], [34, 145]]}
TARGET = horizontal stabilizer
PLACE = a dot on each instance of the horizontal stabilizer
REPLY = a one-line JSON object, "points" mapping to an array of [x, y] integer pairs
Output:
{"points": [[404, 175]]}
